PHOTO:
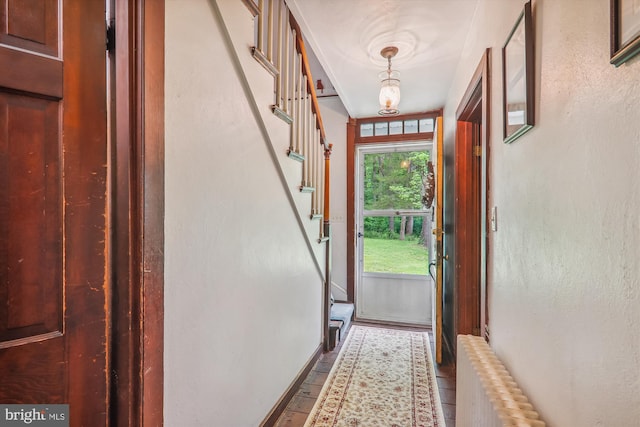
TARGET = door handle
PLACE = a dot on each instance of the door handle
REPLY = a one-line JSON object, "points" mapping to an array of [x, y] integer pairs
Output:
{"points": [[360, 234], [439, 257], [432, 264]]}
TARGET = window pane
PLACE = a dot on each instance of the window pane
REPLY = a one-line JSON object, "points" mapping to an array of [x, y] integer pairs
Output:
{"points": [[366, 129], [382, 128], [410, 126], [395, 128], [426, 125]]}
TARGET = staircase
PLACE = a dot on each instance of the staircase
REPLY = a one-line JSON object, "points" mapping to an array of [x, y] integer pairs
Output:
{"points": [[269, 51], [339, 322]]}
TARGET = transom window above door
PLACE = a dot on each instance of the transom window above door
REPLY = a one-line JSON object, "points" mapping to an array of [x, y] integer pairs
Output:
{"points": [[396, 127], [405, 127]]}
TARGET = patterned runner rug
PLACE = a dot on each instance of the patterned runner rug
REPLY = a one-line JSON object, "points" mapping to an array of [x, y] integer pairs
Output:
{"points": [[382, 377]]}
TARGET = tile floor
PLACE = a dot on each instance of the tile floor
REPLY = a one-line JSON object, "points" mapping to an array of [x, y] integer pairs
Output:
{"points": [[300, 406]]}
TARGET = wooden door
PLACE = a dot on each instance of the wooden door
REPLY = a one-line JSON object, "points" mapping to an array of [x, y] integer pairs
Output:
{"points": [[467, 229], [438, 234], [54, 279]]}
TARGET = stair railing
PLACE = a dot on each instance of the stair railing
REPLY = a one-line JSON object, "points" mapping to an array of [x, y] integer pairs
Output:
{"points": [[280, 48]]}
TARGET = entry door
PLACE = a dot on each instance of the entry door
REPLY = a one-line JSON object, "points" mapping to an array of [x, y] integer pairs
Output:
{"points": [[53, 207], [437, 246], [394, 230]]}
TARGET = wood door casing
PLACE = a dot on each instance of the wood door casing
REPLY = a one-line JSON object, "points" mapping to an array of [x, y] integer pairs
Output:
{"points": [[137, 67], [53, 207], [351, 209], [467, 236]]}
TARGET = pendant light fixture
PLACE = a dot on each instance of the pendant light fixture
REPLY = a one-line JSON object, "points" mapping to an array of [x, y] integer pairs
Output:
{"points": [[390, 85]]}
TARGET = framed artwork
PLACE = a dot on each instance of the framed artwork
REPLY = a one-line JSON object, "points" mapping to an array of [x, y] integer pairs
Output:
{"points": [[518, 86], [625, 30]]}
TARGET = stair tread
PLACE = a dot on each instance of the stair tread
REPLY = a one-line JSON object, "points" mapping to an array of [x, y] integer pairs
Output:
{"points": [[341, 311]]}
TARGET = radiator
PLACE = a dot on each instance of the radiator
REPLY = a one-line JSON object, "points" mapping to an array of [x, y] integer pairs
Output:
{"points": [[486, 395]]}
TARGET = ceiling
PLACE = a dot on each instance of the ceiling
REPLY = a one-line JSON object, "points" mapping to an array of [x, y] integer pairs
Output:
{"points": [[346, 37]]}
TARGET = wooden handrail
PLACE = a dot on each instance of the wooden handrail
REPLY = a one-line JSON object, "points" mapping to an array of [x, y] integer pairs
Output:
{"points": [[307, 70]]}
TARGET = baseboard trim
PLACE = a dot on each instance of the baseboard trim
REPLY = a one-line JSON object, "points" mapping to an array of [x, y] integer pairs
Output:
{"points": [[425, 326], [390, 324], [277, 410]]}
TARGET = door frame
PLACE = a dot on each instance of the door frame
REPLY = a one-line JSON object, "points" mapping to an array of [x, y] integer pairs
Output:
{"points": [[471, 295], [137, 214]]}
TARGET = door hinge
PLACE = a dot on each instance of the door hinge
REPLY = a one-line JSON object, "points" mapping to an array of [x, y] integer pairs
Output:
{"points": [[111, 35], [477, 150]]}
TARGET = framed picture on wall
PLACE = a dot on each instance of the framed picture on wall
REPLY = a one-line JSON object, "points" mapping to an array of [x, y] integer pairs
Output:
{"points": [[517, 78], [625, 30]]}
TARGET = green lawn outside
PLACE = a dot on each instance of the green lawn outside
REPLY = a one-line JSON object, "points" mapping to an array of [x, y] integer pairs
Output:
{"points": [[395, 256]]}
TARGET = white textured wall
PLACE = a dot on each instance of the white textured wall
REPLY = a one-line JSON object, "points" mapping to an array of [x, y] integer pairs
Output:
{"points": [[564, 274], [242, 294], [335, 118]]}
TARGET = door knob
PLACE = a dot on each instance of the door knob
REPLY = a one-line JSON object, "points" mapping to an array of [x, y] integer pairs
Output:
{"points": [[360, 234]]}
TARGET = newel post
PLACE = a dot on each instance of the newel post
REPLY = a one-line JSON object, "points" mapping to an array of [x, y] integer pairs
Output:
{"points": [[327, 235], [327, 174]]}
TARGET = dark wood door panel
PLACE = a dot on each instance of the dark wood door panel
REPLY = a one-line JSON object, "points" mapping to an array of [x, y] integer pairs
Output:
{"points": [[31, 25], [28, 376], [26, 72], [30, 220]]}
